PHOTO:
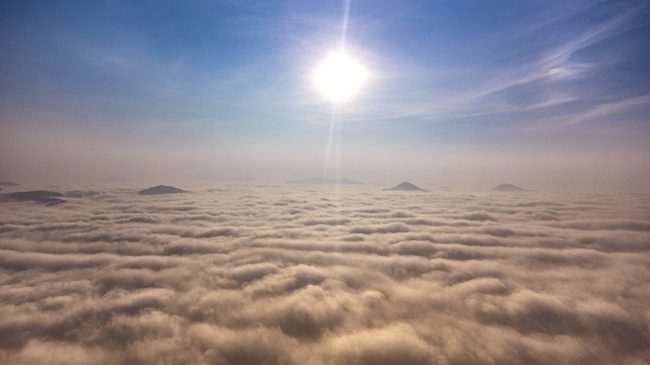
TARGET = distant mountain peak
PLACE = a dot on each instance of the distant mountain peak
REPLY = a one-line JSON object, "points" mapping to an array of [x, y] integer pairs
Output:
{"points": [[161, 190], [407, 186], [49, 198], [507, 187], [324, 181]]}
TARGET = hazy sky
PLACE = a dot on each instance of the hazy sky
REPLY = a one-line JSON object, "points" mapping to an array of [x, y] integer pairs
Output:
{"points": [[543, 94]]}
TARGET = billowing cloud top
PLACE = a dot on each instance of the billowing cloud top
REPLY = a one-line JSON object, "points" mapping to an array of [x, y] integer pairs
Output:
{"points": [[309, 275]]}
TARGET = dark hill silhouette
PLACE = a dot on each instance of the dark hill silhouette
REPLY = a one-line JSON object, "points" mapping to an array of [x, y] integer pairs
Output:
{"points": [[8, 183], [507, 188], [406, 186], [42, 196], [324, 181], [161, 190]]}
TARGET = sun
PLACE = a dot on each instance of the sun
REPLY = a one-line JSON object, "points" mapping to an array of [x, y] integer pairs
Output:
{"points": [[340, 77]]}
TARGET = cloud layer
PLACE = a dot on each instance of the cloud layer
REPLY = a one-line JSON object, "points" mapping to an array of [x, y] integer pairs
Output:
{"points": [[315, 275]]}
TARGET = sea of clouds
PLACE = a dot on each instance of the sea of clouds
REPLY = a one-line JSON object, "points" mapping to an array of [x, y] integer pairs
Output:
{"points": [[325, 275]]}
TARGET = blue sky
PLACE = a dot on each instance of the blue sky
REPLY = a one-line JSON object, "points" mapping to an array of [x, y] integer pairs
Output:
{"points": [[455, 86]]}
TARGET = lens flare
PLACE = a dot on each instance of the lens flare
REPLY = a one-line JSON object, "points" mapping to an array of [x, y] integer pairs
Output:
{"points": [[340, 77]]}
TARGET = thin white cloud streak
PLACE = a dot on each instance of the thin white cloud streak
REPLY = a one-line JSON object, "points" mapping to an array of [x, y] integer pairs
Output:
{"points": [[476, 100], [283, 274], [608, 109]]}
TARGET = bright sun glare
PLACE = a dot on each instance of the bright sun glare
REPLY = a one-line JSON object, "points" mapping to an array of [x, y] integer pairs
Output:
{"points": [[340, 77]]}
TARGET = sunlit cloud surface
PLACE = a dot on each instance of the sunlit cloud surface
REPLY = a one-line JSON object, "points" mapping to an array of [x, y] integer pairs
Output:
{"points": [[294, 275]]}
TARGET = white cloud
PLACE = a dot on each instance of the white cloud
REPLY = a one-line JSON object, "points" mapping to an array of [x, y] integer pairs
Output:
{"points": [[277, 275]]}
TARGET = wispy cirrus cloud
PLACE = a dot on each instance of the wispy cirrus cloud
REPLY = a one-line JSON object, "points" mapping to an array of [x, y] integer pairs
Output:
{"points": [[543, 74]]}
